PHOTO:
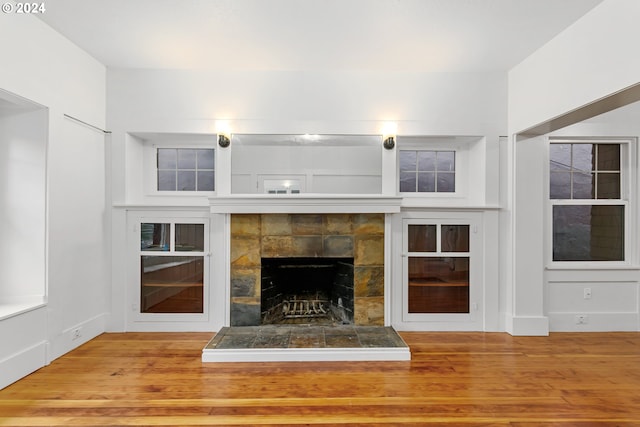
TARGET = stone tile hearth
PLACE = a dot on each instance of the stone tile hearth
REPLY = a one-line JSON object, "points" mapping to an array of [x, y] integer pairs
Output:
{"points": [[306, 337]]}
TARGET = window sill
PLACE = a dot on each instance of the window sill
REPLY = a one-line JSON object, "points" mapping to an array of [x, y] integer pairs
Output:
{"points": [[593, 266], [11, 307]]}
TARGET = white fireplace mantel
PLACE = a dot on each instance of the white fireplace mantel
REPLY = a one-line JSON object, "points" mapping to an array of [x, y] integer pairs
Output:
{"points": [[304, 203]]}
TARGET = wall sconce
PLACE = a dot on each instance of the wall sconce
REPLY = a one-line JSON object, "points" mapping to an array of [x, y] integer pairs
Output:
{"points": [[223, 140], [389, 142]]}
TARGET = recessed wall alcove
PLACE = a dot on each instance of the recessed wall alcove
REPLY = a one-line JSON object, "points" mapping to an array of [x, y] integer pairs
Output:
{"points": [[255, 237]]}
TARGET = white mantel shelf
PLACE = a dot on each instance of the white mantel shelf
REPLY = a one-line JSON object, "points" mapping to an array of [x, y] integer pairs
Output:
{"points": [[304, 203]]}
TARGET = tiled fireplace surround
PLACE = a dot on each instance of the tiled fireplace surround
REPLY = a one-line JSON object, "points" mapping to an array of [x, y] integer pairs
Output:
{"points": [[358, 236]]}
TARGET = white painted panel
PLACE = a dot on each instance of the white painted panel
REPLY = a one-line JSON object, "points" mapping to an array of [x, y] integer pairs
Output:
{"points": [[23, 139], [605, 297], [595, 55], [346, 184]]}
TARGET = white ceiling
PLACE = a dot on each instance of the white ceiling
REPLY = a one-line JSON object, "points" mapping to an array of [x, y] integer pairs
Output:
{"points": [[407, 35]]}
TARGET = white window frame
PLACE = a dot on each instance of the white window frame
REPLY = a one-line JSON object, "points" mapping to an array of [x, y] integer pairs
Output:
{"points": [[135, 279], [471, 320], [460, 145], [150, 153], [627, 176]]}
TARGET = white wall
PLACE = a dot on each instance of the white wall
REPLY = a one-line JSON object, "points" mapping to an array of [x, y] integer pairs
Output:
{"points": [[591, 59], [144, 102], [23, 138], [615, 292], [298, 102], [44, 67]]}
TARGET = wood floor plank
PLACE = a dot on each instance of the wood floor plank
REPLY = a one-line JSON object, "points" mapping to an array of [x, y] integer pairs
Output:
{"points": [[467, 379]]}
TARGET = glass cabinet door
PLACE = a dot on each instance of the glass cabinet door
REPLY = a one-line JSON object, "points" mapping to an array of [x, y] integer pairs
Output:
{"points": [[438, 270], [172, 267]]}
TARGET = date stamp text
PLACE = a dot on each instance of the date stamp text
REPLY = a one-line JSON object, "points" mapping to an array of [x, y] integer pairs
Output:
{"points": [[24, 8]]}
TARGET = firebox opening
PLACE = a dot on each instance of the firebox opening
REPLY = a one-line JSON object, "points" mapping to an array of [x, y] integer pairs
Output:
{"points": [[307, 290]]}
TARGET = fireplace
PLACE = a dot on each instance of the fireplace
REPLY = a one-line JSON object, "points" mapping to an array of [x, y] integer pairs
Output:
{"points": [[347, 247], [307, 290]]}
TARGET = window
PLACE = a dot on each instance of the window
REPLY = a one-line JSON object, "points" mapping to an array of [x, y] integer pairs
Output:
{"points": [[426, 171], [588, 203], [438, 268], [172, 268], [185, 169]]}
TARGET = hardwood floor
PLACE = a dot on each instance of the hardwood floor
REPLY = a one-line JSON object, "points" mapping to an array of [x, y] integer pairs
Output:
{"points": [[467, 379]]}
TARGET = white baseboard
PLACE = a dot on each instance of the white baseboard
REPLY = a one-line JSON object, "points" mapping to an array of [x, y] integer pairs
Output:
{"points": [[527, 325], [22, 363], [77, 335], [595, 322]]}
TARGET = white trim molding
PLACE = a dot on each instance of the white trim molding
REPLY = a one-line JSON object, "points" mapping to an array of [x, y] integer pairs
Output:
{"points": [[304, 203]]}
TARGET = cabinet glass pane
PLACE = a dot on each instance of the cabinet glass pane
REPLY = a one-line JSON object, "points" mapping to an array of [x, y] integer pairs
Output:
{"points": [[455, 238], [190, 237], [422, 238], [171, 284], [438, 285], [155, 237]]}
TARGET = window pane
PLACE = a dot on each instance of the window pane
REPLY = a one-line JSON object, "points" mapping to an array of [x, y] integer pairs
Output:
{"points": [[186, 159], [609, 157], [167, 180], [190, 237], [560, 157], [154, 237], [167, 158], [205, 158], [171, 284], [583, 185], [583, 156], [588, 233], [426, 182], [446, 161], [426, 161], [560, 185], [438, 285], [206, 181], [186, 180], [608, 186], [408, 160], [446, 182], [422, 238], [408, 182], [455, 238]]}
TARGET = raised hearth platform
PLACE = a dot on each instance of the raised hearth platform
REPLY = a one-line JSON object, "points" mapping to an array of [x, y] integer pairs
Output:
{"points": [[305, 343]]}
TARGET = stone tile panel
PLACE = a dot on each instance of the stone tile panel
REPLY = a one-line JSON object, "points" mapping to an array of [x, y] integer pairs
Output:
{"points": [[276, 225], [338, 246], [306, 224], [245, 225], [368, 281], [369, 250]]}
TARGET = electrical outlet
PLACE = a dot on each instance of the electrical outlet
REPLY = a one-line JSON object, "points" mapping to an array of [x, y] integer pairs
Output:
{"points": [[582, 319], [76, 334], [587, 293]]}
